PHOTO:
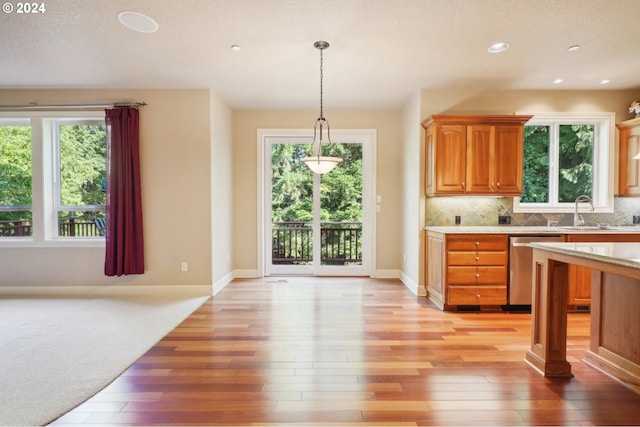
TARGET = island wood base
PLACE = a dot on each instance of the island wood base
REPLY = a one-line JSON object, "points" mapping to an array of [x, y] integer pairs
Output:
{"points": [[615, 318]]}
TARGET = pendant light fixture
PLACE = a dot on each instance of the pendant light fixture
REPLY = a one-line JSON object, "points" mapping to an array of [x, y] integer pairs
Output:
{"points": [[314, 159]]}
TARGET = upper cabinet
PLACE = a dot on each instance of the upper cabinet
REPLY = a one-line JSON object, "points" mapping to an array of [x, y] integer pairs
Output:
{"points": [[474, 155], [629, 168]]}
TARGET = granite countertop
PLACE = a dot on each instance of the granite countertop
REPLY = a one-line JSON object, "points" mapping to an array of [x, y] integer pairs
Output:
{"points": [[515, 229], [623, 254]]}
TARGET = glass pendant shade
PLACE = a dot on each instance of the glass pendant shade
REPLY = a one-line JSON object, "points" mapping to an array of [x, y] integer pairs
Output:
{"points": [[321, 164], [314, 159]]}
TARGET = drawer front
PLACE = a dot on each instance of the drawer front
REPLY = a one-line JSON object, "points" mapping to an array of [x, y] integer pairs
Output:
{"points": [[477, 295], [477, 243], [476, 275], [477, 258]]}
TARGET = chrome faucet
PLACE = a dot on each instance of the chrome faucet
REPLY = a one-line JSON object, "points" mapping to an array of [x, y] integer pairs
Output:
{"points": [[577, 219]]}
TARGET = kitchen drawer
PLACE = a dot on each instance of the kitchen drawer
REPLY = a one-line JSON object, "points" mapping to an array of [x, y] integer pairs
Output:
{"points": [[477, 258], [477, 275], [477, 243], [477, 295]]}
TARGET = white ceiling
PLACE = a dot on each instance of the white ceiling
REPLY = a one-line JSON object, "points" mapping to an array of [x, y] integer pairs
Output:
{"points": [[382, 51]]}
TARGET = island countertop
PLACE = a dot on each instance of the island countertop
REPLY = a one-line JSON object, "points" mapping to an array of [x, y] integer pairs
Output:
{"points": [[617, 253], [523, 230]]}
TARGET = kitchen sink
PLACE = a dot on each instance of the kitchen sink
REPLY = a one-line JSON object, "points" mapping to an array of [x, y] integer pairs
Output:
{"points": [[587, 227]]}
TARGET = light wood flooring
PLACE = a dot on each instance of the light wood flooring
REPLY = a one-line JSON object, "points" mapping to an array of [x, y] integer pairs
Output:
{"points": [[352, 351]]}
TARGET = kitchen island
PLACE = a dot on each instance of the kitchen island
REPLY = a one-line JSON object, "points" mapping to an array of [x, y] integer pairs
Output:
{"points": [[615, 308]]}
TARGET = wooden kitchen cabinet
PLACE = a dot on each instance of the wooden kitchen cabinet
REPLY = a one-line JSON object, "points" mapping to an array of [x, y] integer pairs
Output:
{"points": [[467, 269], [580, 277], [629, 168], [474, 155]]}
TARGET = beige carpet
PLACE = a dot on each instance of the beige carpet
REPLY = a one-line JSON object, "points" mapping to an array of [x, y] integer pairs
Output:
{"points": [[56, 353]]}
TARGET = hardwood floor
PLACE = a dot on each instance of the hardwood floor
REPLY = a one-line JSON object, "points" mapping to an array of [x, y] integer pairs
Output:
{"points": [[348, 351]]}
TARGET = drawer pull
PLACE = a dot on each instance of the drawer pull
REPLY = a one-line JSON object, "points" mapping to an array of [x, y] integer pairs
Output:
{"points": [[477, 258], [477, 243], [478, 296], [477, 275]]}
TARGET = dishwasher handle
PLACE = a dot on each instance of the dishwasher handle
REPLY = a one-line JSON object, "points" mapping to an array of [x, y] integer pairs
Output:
{"points": [[519, 245]]}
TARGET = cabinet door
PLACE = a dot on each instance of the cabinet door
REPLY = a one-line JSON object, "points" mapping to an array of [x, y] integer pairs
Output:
{"points": [[629, 177], [435, 264], [450, 154], [479, 159], [508, 160]]}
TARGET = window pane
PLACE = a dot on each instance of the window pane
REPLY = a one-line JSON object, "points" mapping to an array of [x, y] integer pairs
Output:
{"points": [[82, 164], [15, 181], [536, 165], [575, 172], [81, 224]]}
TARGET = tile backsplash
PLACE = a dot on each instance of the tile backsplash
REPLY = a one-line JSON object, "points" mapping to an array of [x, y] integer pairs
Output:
{"points": [[486, 210]]}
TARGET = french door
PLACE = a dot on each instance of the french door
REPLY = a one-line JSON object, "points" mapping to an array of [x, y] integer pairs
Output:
{"points": [[317, 224]]}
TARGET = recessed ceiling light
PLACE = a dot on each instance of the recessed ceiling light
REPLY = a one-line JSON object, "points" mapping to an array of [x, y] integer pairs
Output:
{"points": [[605, 81], [138, 22], [498, 47], [557, 81], [573, 48], [236, 48]]}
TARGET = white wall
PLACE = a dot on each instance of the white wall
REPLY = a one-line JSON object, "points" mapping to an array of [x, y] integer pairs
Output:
{"points": [[221, 193], [175, 150], [388, 178], [412, 195]]}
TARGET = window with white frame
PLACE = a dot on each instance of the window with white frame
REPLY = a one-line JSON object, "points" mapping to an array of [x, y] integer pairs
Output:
{"points": [[565, 156], [54, 187]]}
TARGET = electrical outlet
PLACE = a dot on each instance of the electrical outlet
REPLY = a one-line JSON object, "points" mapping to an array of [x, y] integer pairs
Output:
{"points": [[636, 219], [504, 219], [457, 219], [184, 266]]}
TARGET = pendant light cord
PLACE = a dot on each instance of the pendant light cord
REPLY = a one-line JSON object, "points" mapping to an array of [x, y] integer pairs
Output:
{"points": [[321, 75]]}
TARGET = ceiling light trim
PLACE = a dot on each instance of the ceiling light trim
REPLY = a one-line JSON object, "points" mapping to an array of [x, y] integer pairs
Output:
{"points": [[137, 21], [498, 47]]}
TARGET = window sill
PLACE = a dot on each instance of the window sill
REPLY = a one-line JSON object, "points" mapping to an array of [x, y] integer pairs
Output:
{"points": [[58, 243]]}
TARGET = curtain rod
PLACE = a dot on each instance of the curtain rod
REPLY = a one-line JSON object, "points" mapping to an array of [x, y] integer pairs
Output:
{"points": [[36, 106]]}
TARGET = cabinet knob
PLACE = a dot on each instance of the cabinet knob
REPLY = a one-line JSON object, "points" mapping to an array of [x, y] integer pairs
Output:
{"points": [[477, 258], [498, 184], [477, 275], [462, 184], [477, 243], [478, 296]]}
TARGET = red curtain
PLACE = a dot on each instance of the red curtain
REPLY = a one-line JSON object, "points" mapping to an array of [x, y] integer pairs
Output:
{"points": [[124, 238]]}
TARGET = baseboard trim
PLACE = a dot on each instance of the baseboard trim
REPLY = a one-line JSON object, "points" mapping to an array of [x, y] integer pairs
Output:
{"points": [[387, 274], [106, 291], [246, 274], [411, 285], [222, 283]]}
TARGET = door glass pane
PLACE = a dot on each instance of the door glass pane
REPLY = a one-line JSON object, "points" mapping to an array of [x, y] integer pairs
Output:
{"points": [[575, 174], [536, 165], [341, 209], [291, 205]]}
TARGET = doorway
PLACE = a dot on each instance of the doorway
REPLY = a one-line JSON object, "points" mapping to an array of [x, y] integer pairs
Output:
{"points": [[312, 224]]}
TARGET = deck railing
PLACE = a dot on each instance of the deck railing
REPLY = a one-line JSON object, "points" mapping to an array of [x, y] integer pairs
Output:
{"points": [[341, 243], [69, 227]]}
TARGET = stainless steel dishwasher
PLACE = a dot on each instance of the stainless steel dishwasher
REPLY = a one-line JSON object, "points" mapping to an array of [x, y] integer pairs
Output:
{"points": [[519, 291]]}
